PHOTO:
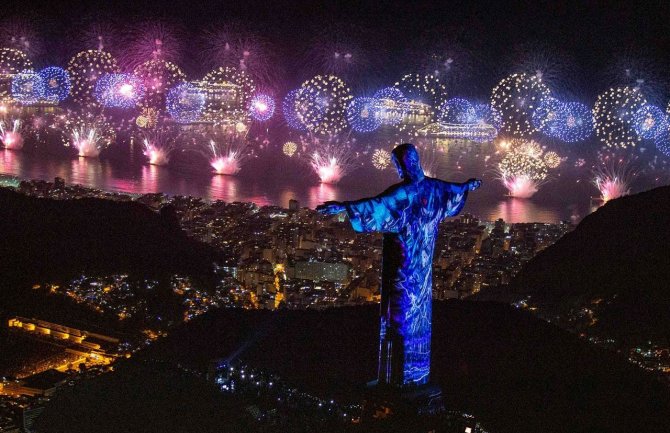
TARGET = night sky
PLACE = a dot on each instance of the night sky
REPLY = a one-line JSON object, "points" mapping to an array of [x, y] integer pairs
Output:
{"points": [[585, 44]]}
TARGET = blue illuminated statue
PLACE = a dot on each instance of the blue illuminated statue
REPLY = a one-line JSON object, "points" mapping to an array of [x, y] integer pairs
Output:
{"points": [[408, 213]]}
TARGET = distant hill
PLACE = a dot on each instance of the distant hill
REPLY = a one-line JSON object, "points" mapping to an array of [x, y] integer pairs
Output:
{"points": [[620, 254], [51, 240], [514, 372]]}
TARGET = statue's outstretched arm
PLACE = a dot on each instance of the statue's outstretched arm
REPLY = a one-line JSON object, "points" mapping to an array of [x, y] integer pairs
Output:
{"points": [[469, 185], [455, 195], [331, 208], [335, 207], [381, 213]]}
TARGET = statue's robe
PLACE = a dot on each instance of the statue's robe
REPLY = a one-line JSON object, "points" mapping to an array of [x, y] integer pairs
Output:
{"points": [[408, 214]]}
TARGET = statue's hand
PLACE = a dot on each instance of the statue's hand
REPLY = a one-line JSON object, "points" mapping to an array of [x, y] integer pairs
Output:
{"points": [[330, 208], [473, 184]]}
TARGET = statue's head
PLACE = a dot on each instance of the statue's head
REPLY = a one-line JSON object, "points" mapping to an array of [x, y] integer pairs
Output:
{"points": [[406, 160]]}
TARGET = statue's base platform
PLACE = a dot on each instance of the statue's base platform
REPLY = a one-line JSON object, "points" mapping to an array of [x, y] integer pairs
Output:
{"points": [[383, 401]]}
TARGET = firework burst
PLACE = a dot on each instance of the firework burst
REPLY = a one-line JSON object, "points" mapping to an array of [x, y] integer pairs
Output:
{"points": [[457, 110], [613, 180], [85, 69], [11, 134], [289, 148], [637, 68], [100, 36], [362, 116], [88, 141], [576, 122], [89, 134], [57, 83], [649, 120], [381, 159], [233, 46], [552, 66], [330, 156], [157, 76], [19, 33], [613, 115], [158, 145], [516, 98], [552, 159], [292, 117], [152, 40], [522, 174], [261, 107], [347, 50], [321, 103], [530, 148], [228, 150], [119, 90]]}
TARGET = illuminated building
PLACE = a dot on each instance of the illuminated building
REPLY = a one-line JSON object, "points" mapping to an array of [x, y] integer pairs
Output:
{"points": [[224, 102], [42, 384], [465, 131], [93, 347], [320, 271], [409, 113]]}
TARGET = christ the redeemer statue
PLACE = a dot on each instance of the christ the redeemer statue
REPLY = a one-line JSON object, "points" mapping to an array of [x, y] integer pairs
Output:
{"points": [[408, 213]]}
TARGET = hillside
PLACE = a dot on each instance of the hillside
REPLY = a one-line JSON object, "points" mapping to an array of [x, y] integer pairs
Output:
{"points": [[514, 372], [616, 261], [54, 240]]}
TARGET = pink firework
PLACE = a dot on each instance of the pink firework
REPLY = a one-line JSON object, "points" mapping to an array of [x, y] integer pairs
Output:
{"points": [[613, 181], [19, 33], [90, 136], [331, 156], [228, 164], [346, 50], [11, 138], [521, 186], [228, 151], [327, 168], [157, 40], [158, 147], [234, 46], [522, 174], [101, 36]]}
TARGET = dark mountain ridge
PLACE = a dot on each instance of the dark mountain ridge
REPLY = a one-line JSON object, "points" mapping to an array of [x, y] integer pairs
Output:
{"points": [[54, 240], [617, 259], [514, 372]]}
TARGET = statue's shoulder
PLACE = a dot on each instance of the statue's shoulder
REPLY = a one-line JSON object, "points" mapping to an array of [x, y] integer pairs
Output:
{"points": [[432, 182]]}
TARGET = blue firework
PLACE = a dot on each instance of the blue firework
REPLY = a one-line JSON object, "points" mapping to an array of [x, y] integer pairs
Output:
{"points": [[57, 83], [662, 141], [391, 105], [546, 117], [576, 122], [361, 114], [457, 110], [291, 115], [484, 113], [27, 87], [261, 107], [119, 90], [649, 120], [185, 103]]}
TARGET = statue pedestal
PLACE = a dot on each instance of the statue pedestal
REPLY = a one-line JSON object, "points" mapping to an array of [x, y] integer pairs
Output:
{"points": [[382, 402]]}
